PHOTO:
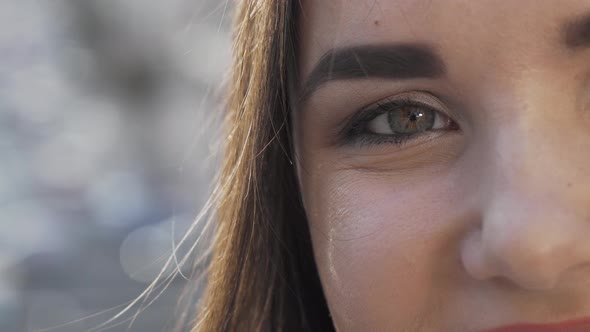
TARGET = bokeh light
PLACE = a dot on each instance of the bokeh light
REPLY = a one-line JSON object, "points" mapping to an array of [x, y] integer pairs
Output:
{"points": [[109, 126]]}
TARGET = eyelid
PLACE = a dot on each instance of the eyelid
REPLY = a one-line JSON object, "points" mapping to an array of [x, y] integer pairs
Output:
{"points": [[355, 125], [419, 97]]}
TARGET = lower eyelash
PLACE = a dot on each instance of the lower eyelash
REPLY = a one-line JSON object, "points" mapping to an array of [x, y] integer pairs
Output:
{"points": [[368, 139]]}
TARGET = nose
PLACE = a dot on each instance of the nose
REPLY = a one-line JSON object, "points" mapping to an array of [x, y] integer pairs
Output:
{"points": [[535, 220]]}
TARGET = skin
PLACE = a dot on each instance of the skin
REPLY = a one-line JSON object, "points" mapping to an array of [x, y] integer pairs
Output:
{"points": [[468, 229]]}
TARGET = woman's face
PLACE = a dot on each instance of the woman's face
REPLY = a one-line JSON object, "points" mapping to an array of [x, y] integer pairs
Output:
{"points": [[444, 160]]}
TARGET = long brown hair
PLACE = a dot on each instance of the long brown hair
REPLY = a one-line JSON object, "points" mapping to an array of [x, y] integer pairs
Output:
{"points": [[262, 275]]}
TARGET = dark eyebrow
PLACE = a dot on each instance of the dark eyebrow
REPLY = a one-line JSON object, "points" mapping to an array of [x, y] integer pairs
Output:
{"points": [[397, 61], [576, 33]]}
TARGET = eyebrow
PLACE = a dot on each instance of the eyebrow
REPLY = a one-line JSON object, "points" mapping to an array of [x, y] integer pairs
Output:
{"points": [[397, 61], [576, 33], [406, 61]]}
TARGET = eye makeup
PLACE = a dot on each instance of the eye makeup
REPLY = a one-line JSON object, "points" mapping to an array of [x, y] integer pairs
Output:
{"points": [[357, 130]]}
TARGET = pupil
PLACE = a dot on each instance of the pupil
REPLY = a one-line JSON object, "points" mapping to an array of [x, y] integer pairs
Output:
{"points": [[410, 121]]}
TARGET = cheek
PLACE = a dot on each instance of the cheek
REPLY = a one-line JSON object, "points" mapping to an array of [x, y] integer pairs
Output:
{"points": [[378, 243]]}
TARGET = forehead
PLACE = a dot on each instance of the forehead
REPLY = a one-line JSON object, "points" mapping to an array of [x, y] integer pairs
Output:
{"points": [[491, 30]]}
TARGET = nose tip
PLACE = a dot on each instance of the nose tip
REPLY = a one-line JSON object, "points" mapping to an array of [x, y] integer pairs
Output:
{"points": [[529, 265], [532, 248]]}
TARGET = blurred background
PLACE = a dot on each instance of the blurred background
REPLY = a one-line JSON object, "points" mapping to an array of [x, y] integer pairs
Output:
{"points": [[109, 127]]}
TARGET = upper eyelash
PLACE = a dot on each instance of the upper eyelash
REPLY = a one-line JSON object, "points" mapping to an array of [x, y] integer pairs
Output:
{"points": [[355, 129]]}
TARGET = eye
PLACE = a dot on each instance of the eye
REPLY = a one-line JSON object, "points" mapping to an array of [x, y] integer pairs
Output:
{"points": [[407, 120], [397, 121]]}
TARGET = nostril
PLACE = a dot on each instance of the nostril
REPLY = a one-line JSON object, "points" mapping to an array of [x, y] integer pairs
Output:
{"points": [[532, 272]]}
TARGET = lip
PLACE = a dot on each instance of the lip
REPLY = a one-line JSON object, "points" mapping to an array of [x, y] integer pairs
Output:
{"points": [[577, 325]]}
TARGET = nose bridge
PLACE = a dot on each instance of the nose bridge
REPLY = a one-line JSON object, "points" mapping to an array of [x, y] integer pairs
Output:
{"points": [[539, 149], [535, 221]]}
